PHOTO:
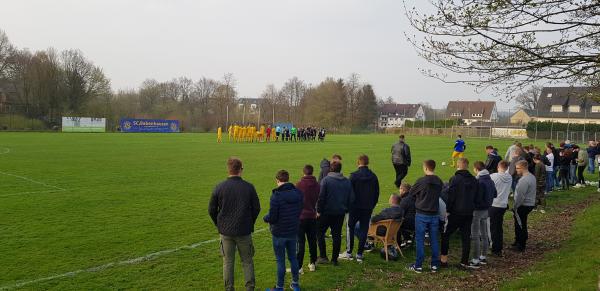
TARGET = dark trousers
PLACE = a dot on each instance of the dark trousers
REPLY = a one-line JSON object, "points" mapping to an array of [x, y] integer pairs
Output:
{"points": [[564, 178], [496, 231], [335, 223], [580, 178], [307, 232], [462, 223], [521, 234], [361, 216], [401, 171]]}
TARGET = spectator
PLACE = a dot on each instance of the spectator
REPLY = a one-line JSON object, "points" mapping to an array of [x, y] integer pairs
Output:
{"points": [[510, 151], [491, 164], [366, 195], [460, 197], [573, 165], [592, 151], [392, 212], [401, 160], [564, 162], [486, 192], [308, 217], [502, 182], [540, 178], [407, 204], [549, 170], [325, 164], [427, 194], [582, 161], [335, 198], [517, 156], [284, 220], [233, 208], [524, 204]]}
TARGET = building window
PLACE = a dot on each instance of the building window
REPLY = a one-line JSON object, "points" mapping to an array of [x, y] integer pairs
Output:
{"points": [[556, 108], [253, 106], [456, 114], [549, 95], [574, 108], [477, 115], [595, 109]]}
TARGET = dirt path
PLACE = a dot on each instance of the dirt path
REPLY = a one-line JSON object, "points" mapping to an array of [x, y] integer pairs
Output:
{"points": [[545, 236]]}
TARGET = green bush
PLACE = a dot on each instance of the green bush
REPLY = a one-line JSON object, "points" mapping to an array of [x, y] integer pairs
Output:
{"points": [[555, 126]]}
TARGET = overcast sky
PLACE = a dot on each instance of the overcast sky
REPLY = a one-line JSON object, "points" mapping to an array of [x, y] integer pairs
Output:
{"points": [[259, 41]]}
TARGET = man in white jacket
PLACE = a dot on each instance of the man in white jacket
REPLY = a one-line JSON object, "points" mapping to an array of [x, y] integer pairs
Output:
{"points": [[503, 182]]}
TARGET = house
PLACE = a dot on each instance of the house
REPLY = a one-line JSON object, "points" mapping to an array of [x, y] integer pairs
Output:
{"points": [[394, 115], [563, 105], [249, 105], [471, 112]]}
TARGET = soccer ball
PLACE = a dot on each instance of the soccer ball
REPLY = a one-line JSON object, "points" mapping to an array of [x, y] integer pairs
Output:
{"points": [[443, 163]]}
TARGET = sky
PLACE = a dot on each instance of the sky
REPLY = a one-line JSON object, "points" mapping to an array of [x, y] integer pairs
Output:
{"points": [[259, 41]]}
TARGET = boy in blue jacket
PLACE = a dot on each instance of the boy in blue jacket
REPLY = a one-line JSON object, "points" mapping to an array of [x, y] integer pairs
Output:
{"points": [[284, 219]]}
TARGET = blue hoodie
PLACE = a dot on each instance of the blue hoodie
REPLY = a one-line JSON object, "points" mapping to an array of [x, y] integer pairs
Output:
{"points": [[486, 192], [284, 215]]}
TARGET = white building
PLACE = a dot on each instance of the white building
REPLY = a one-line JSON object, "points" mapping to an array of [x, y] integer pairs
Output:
{"points": [[395, 115]]}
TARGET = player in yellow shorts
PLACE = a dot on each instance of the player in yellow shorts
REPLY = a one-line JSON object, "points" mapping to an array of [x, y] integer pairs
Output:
{"points": [[459, 150]]}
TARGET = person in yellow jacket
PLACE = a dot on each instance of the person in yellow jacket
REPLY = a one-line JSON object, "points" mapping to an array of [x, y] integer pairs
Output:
{"points": [[229, 132], [219, 135]]}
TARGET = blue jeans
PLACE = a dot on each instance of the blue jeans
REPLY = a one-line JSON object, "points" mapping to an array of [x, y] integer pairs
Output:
{"points": [[591, 165], [549, 181], [281, 245], [573, 174], [428, 223]]}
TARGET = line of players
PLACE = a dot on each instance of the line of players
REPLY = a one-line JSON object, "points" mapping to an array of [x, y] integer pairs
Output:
{"points": [[250, 133]]}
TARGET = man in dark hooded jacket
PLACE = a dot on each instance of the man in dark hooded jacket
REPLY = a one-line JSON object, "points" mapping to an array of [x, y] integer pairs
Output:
{"points": [[284, 219], [335, 199], [366, 195], [486, 192], [325, 166], [460, 203], [491, 164]]}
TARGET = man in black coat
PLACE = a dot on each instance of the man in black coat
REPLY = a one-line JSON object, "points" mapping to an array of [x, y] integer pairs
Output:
{"points": [[460, 203], [401, 159], [366, 195], [233, 208], [335, 199], [491, 163]]}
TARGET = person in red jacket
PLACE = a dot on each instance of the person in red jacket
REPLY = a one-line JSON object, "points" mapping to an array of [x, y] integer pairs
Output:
{"points": [[308, 217], [268, 133]]}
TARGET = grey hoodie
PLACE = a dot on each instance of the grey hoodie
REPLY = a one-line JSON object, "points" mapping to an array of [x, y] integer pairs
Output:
{"points": [[525, 191], [503, 182]]}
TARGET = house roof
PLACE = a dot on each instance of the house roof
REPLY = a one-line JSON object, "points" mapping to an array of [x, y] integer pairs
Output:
{"points": [[401, 110], [567, 96], [467, 108]]}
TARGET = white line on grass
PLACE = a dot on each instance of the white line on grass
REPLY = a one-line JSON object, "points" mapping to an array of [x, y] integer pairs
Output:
{"points": [[133, 261], [4, 151], [54, 188]]}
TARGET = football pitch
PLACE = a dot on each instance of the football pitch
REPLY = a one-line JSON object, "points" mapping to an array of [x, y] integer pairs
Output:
{"points": [[129, 211]]}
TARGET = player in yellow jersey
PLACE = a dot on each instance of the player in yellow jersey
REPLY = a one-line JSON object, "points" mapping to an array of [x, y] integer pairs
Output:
{"points": [[230, 133], [219, 135]]}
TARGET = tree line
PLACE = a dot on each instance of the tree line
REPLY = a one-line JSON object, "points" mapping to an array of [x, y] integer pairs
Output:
{"points": [[48, 84]]}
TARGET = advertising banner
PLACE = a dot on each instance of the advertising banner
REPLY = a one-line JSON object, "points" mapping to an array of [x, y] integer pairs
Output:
{"points": [[83, 124], [509, 132], [149, 125]]}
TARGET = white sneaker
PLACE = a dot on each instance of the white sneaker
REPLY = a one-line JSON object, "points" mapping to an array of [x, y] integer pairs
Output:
{"points": [[577, 185], [345, 256], [301, 271], [542, 211], [312, 267], [598, 189]]}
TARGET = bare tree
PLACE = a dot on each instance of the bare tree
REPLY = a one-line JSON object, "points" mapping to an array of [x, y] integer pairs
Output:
{"points": [[509, 45], [293, 91], [6, 51], [529, 99], [353, 87]]}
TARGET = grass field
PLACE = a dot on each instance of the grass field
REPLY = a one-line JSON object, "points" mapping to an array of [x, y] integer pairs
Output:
{"points": [[129, 211]]}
